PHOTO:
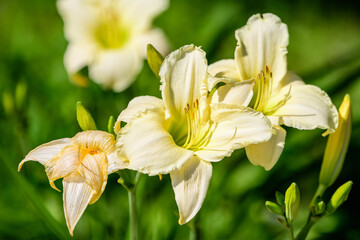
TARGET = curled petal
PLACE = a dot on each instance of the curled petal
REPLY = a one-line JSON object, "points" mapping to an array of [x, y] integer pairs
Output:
{"points": [[93, 169], [263, 41], [190, 185], [95, 140], [308, 107], [183, 74], [235, 127], [138, 105], [76, 197], [45, 151], [63, 164], [148, 145], [267, 154]]}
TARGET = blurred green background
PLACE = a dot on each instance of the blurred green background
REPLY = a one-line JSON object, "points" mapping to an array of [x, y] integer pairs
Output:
{"points": [[324, 50]]}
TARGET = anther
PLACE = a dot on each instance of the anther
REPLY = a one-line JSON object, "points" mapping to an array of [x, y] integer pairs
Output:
{"points": [[267, 70]]}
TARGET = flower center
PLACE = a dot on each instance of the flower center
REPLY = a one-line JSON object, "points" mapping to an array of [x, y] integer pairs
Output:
{"points": [[111, 32], [263, 93], [196, 134]]}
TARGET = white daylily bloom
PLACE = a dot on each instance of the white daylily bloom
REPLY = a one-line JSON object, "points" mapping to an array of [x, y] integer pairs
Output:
{"points": [[110, 37], [84, 163], [183, 132], [260, 58]]}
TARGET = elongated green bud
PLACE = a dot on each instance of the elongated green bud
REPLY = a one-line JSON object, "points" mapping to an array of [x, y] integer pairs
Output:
{"points": [[319, 208], [8, 103], [84, 118], [337, 145], [274, 208], [339, 197], [155, 59], [20, 94], [292, 202], [111, 124]]}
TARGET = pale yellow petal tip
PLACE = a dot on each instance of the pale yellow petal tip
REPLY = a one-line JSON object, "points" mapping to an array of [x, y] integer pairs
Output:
{"points": [[345, 107], [52, 184], [327, 132], [71, 229], [80, 80], [21, 164], [117, 127], [181, 220]]}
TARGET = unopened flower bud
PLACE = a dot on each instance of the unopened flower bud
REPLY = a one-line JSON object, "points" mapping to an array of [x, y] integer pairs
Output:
{"points": [[111, 124], [84, 118], [8, 103], [337, 145], [155, 59], [20, 94], [319, 208], [274, 208], [292, 201], [339, 197]]}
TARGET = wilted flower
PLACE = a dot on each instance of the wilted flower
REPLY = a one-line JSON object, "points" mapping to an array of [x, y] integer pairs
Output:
{"points": [[259, 79], [84, 163], [110, 38], [183, 132]]}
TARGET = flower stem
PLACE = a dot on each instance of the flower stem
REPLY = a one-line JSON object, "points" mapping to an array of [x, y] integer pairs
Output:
{"points": [[133, 214], [311, 219], [291, 230], [306, 229]]}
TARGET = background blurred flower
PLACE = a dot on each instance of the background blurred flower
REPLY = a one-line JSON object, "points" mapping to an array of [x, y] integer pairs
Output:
{"points": [[110, 38], [260, 58], [84, 163], [182, 133]]}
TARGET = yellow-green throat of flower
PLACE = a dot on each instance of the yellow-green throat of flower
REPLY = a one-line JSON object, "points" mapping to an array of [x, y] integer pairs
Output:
{"points": [[193, 134], [111, 32], [263, 94]]}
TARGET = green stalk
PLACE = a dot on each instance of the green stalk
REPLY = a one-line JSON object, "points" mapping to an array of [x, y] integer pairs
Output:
{"points": [[130, 182], [311, 219], [306, 229], [133, 214], [291, 229]]}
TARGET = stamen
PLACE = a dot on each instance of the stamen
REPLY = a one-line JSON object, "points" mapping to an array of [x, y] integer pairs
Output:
{"points": [[198, 132]]}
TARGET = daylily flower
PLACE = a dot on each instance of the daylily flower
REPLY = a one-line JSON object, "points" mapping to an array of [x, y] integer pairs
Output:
{"points": [[110, 37], [259, 79], [84, 163], [183, 132]]}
